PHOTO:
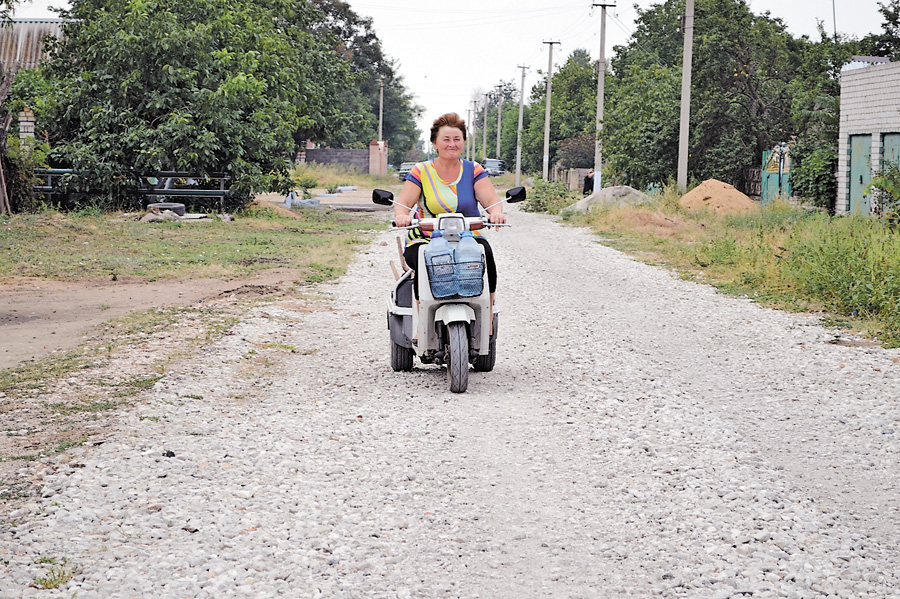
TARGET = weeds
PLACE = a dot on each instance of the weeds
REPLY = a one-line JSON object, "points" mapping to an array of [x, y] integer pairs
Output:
{"points": [[58, 574], [549, 197]]}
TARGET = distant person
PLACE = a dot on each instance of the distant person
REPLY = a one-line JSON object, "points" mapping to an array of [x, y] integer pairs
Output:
{"points": [[588, 183]]}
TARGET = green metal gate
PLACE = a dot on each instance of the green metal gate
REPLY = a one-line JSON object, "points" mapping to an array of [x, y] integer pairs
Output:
{"points": [[860, 174], [775, 180]]}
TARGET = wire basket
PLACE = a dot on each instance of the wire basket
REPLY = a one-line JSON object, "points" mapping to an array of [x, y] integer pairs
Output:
{"points": [[456, 279]]}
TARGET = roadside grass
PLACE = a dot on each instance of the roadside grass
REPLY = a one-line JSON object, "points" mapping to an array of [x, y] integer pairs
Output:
{"points": [[781, 256], [332, 175], [86, 245]]}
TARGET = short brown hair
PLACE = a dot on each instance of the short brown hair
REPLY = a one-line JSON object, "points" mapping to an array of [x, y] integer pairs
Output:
{"points": [[451, 119]]}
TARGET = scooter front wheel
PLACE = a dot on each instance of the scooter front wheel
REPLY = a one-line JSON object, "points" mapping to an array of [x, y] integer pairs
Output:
{"points": [[458, 354]]}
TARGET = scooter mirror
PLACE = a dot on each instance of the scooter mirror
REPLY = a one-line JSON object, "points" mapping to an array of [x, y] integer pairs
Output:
{"points": [[516, 194], [382, 197]]}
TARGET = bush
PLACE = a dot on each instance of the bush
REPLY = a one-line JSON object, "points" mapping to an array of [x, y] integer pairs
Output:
{"points": [[548, 197], [22, 159], [887, 184], [812, 176]]}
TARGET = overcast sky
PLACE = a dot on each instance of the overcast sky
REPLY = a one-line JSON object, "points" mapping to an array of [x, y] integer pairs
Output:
{"points": [[449, 51]]}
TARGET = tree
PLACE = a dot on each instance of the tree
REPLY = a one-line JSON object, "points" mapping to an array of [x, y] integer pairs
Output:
{"points": [[740, 100], [886, 43], [573, 109], [357, 42], [204, 86]]}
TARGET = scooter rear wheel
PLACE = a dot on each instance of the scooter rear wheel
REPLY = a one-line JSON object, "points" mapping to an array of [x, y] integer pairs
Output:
{"points": [[458, 364]]}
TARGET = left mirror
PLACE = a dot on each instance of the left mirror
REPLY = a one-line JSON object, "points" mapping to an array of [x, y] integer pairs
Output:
{"points": [[382, 197]]}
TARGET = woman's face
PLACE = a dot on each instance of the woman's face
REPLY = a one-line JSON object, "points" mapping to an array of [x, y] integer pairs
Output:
{"points": [[449, 142]]}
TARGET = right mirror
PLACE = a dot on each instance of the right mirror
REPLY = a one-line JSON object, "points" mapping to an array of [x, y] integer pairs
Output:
{"points": [[516, 194]]}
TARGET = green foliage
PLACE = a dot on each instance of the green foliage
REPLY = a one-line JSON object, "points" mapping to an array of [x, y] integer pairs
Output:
{"points": [[306, 182], [548, 196], [204, 86], [573, 110], [887, 182], [640, 127], [853, 265], [358, 43], [577, 152], [887, 42], [23, 158], [812, 175]]}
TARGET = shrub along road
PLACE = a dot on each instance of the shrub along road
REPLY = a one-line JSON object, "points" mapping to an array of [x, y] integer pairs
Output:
{"points": [[640, 436]]}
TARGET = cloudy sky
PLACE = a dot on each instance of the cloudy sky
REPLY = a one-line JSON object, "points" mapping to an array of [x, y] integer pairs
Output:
{"points": [[451, 51]]}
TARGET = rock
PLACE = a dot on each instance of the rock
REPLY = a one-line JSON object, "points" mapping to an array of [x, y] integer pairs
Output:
{"points": [[619, 195], [160, 217]]}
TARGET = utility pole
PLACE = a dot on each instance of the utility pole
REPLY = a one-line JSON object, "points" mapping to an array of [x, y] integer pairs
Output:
{"points": [[519, 130], [834, 17], [472, 128], [545, 171], [381, 111], [469, 137], [484, 132], [686, 94], [601, 83], [499, 112]]}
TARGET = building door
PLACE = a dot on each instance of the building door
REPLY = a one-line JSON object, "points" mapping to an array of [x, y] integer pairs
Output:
{"points": [[860, 174]]}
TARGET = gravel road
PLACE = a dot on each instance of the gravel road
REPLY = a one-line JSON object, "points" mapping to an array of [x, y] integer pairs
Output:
{"points": [[640, 436]]}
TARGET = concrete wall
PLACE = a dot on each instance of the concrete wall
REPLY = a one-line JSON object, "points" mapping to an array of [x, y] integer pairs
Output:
{"points": [[869, 105], [358, 159]]}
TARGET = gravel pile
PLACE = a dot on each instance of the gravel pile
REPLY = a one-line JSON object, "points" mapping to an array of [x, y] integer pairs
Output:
{"points": [[640, 436]]}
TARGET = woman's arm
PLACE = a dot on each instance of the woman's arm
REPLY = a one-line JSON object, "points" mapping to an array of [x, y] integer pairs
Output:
{"points": [[487, 196], [409, 196]]}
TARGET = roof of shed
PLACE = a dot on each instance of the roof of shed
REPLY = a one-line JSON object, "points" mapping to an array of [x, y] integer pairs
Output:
{"points": [[21, 44]]}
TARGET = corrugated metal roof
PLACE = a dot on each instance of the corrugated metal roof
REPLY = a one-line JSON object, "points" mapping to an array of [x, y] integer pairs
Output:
{"points": [[21, 43]]}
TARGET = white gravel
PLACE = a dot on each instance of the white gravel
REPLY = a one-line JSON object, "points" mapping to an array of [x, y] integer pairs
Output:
{"points": [[640, 436]]}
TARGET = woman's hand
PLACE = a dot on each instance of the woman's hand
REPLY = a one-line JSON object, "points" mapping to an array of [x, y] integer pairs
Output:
{"points": [[497, 217], [402, 218]]}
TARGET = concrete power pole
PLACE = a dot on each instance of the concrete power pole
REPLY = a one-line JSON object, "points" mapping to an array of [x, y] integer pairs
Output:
{"points": [[499, 112], [484, 131], [601, 83], [472, 127], [684, 132], [381, 111], [545, 170], [468, 137], [519, 130]]}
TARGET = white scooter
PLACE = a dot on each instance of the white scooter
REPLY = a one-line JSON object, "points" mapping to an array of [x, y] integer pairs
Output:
{"points": [[452, 330]]}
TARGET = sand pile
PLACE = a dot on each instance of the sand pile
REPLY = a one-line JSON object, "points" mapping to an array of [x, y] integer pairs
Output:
{"points": [[619, 195], [719, 197]]}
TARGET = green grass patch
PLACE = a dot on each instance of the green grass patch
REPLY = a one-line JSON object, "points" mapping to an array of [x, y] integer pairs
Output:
{"points": [[66, 409], [78, 245]]}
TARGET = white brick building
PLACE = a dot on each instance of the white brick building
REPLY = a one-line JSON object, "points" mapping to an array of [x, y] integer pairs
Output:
{"points": [[869, 131]]}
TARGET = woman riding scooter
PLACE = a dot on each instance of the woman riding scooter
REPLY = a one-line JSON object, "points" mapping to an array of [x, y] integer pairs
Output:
{"points": [[447, 184]]}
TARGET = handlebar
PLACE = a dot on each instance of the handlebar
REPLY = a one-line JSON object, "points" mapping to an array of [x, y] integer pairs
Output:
{"points": [[473, 223]]}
